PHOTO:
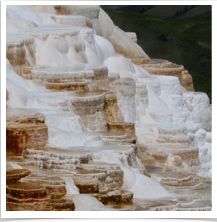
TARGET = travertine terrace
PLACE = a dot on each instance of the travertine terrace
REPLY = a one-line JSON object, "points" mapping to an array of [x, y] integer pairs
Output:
{"points": [[93, 123]]}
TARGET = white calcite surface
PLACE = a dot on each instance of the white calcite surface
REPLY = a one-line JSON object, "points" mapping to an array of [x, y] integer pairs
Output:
{"points": [[204, 141], [91, 203], [199, 105], [121, 41], [119, 64], [64, 128], [18, 89], [90, 11], [133, 36], [125, 90], [77, 44]]}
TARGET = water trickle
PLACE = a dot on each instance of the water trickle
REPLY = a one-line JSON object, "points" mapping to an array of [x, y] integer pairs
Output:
{"points": [[70, 186], [84, 202], [15, 165], [141, 186]]}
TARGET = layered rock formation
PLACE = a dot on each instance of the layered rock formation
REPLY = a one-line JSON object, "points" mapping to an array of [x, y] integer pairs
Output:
{"points": [[35, 193], [164, 67], [24, 129], [94, 124]]}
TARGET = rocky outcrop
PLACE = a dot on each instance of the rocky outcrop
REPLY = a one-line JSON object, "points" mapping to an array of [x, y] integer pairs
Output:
{"points": [[24, 130], [87, 185], [20, 52], [35, 192], [114, 197], [21, 136], [16, 174], [80, 21], [139, 60], [61, 84], [125, 90], [122, 127], [166, 68], [112, 111], [90, 107], [169, 148], [186, 81], [101, 180], [71, 73]]}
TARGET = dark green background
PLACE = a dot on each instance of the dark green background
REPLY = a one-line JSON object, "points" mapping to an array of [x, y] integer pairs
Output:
{"points": [[183, 45]]}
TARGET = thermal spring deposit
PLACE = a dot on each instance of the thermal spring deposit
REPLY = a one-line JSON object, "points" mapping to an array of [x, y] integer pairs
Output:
{"points": [[94, 124]]}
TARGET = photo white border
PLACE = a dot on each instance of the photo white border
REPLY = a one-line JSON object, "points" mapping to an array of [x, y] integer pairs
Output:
{"points": [[94, 214]]}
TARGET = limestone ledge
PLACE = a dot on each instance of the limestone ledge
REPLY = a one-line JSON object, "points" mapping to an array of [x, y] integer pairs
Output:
{"points": [[139, 60], [166, 68], [80, 20], [40, 76], [24, 129], [17, 49], [122, 127], [22, 136], [16, 174], [70, 85], [15, 116], [90, 107], [170, 156], [112, 111], [114, 197]]}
